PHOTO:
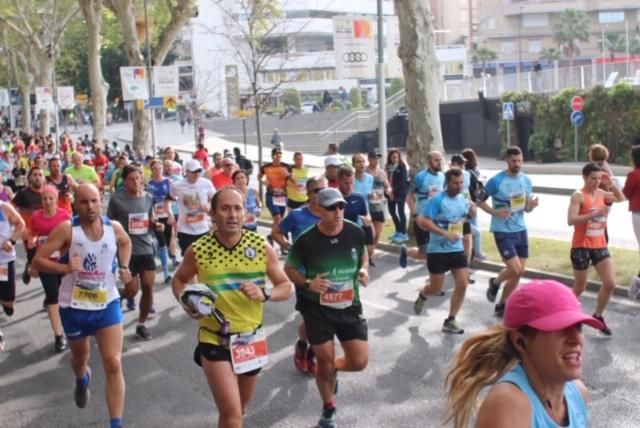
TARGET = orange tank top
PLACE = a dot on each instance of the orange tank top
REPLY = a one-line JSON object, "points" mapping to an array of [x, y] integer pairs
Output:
{"points": [[590, 234]]}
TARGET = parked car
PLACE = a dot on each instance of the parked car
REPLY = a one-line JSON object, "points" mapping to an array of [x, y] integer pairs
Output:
{"points": [[308, 107]]}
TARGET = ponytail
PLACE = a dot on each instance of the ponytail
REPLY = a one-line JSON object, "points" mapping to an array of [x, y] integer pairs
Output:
{"points": [[480, 362]]}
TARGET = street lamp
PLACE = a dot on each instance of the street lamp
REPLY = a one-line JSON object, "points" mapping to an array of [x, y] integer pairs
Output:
{"points": [[154, 149], [520, 16]]}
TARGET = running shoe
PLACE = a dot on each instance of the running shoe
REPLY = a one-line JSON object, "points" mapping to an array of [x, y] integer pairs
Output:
{"points": [[605, 330], [402, 237], [634, 288], [418, 305], [131, 304], [312, 364], [394, 238], [371, 263], [328, 418], [143, 333], [451, 326], [403, 256], [498, 310], [167, 279], [26, 278], [60, 344], [300, 356], [82, 394], [174, 262], [8, 310], [492, 291], [1, 342], [471, 280]]}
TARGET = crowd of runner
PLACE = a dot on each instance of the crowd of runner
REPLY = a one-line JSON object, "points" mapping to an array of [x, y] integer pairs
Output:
{"points": [[94, 222]]}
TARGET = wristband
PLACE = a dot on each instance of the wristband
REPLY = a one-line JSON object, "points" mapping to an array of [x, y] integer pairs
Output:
{"points": [[123, 267], [266, 294]]}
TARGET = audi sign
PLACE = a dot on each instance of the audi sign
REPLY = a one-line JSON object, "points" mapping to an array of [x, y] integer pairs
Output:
{"points": [[354, 47], [355, 57]]}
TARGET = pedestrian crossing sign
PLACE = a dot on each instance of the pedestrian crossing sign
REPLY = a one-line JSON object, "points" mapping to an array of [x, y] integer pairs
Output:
{"points": [[170, 103], [508, 111]]}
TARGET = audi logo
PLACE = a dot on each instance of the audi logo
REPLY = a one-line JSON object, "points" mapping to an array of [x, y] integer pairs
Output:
{"points": [[355, 57]]}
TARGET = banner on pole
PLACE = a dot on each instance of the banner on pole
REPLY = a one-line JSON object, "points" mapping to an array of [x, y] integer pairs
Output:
{"points": [[354, 47], [44, 98], [134, 83], [66, 97], [166, 81], [4, 97]]}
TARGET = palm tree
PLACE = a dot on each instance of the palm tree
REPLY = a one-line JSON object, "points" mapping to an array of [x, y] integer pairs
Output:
{"points": [[572, 29], [634, 41], [484, 56], [550, 54], [613, 42]]}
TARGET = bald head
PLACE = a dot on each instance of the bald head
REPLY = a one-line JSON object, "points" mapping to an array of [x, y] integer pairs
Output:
{"points": [[87, 202], [77, 159]]}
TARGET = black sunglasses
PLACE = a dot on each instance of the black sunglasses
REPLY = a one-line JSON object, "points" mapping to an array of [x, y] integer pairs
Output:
{"points": [[339, 206]]}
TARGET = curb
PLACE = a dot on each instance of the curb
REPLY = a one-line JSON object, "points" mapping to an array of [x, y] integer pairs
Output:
{"points": [[592, 286]]}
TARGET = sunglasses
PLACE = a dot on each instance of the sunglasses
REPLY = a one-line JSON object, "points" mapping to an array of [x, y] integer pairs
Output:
{"points": [[317, 190], [339, 206]]}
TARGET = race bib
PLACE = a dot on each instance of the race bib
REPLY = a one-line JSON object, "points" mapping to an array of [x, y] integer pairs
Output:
{"points": [[4, 272], [250, 219], [517, 201], [194, 218], [100, 169], [89, 295], [338, 296], [301, 187], [138, 224], [248, 351], [456, 227], [280, 201], [20, 180], [596, 226], [160, 210]]}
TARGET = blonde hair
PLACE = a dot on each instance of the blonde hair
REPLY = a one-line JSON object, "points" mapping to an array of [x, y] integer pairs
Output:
{"points": [[480, 362], [598, 152]]}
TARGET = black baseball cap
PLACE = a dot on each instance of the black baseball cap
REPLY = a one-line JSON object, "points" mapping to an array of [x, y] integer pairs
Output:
{"points": [[374, 154]]}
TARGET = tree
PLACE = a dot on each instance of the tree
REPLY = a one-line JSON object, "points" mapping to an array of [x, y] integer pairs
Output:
{"points": [[37, 26], [291, 97], [484, 56], [251, 30], [550, 54], [20, 73], [396, 86], [634, 41], [417, 51], [613, 42], [572, 29], [178, 13], [355, 98]]}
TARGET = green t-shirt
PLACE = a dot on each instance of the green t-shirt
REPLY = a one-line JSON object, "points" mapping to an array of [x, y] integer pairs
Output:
{"points": [[338, 257], [85, 174]]}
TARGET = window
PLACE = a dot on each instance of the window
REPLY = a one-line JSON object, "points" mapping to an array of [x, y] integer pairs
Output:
{"points": [[491, 24], [507, 47], [610, 17], [535, 20], [535, 46]]}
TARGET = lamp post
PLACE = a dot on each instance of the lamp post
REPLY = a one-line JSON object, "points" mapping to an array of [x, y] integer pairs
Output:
{"points": [[382, 113], [520, 45], [604, 65], [54, 89], [154, 148]]}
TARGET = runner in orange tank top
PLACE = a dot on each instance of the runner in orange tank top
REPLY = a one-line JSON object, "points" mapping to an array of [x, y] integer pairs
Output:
{"points": [[588, 214]]}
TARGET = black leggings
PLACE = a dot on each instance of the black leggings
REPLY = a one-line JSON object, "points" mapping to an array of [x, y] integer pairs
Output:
{"points": [[396, 209], [51, 284], [164, 237]]}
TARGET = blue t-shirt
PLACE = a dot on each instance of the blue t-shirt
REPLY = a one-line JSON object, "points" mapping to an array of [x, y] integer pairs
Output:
{"points": [[576, 407], [297, 221], [159, 190], [448, 213], [426, 185], [512, 193], [364, 186], [356, 206]]}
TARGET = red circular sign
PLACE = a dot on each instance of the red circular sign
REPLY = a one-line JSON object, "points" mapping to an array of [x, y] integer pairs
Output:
{"points": [[577, 103]]}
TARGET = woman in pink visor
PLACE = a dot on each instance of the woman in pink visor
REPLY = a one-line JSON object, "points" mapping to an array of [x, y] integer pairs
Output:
{"points": [[533, 363]]}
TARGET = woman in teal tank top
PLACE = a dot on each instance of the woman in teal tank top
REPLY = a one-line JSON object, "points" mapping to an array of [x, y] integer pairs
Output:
{"points": [[533, 363]]}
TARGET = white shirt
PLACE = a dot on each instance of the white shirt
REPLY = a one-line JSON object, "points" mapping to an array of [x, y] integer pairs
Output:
{"points": [[193, 205]]}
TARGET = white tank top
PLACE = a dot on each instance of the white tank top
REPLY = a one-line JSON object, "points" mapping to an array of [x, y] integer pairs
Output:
{"points": [[93, 287], [6, 230]]}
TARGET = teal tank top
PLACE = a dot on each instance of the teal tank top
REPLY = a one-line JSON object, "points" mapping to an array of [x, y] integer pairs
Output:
{"points": [[576, 407]]}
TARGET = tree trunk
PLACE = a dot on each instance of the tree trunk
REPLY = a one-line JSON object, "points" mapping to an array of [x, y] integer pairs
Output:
{"points": [[25, 90], [92, 13], [417, 51], [258, 134], [44, 80]]}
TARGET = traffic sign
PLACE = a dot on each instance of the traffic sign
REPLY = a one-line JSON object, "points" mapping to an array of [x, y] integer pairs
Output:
{"points": [[577, 103], [508, 111], [170, 103], [577, 118], [150, 103]]}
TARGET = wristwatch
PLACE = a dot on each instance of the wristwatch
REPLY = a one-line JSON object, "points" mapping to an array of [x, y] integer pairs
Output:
{"points": [[266, 292], [307, 283]]}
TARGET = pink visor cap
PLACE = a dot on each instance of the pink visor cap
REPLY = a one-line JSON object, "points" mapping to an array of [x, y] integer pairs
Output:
{"points": [[545, 305]]}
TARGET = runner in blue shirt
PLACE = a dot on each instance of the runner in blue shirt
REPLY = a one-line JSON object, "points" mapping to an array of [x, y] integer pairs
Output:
{"points": [[443, 217], [512, 196], [425, 185], [363, 185]]}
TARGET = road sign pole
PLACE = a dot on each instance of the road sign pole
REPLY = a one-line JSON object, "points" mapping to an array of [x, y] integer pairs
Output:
{"points": [[508, 133], [575, 143]]}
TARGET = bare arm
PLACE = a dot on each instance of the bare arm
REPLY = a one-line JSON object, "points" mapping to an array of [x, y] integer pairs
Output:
{"points": [[573, 216], [282, 287], [59, 239], [426, 223], [615, 195], [505, 407], [185, 273]]}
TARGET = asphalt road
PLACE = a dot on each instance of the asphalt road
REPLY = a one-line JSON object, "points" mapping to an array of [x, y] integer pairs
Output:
{"points": [[402, 387]]}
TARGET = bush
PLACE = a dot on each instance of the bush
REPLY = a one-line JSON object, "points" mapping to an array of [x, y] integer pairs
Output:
{"points": [[355, 98], [611, 118], [291, 97]]}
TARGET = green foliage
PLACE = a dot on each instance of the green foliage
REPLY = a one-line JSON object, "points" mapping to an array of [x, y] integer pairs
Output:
{"points": [[355, 98], [550, 54], [610, 119], [484, 56], [291, 97], [613, 42], [396, 86], [634, 41]]}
